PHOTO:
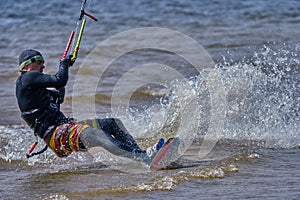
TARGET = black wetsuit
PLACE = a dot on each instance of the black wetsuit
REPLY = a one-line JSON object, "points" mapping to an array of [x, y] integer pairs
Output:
{"points": [[39, 106]]}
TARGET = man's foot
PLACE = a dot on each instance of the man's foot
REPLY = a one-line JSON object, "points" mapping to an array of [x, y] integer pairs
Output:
{"points": [[152, 150]]}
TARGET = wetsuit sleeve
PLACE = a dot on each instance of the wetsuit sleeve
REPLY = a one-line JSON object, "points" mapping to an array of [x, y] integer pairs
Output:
{"points": [[39, 79]]}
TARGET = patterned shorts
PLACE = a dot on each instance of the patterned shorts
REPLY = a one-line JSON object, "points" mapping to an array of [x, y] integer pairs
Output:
{"points": [[64, 139]]}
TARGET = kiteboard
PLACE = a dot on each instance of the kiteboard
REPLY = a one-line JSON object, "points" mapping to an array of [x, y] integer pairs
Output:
{"points": [[166, 155]]}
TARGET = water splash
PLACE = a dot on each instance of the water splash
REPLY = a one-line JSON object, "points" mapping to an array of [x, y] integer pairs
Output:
{"points": [[262, 101], [15, 142], [263, 97]]}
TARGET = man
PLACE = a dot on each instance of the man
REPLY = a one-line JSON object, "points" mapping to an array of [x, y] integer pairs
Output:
{"points": [[40, 108]]}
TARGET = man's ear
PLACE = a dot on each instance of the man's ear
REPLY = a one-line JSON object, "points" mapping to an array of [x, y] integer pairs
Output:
{"points": [[26, 68]]}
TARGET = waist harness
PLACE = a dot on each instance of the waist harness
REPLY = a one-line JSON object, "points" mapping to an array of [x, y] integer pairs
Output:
{"points": [[41, 118]]}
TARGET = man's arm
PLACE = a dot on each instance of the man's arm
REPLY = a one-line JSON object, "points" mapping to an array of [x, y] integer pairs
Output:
{"points": [[39, 79]]}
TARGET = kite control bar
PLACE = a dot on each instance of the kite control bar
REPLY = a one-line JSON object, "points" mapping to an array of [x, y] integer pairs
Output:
{"points": [[83, 21]]}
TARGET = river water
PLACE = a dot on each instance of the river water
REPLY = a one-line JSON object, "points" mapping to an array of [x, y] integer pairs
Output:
{"points": [[238, 114]]}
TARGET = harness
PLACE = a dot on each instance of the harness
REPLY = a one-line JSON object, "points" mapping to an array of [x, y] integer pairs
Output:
{"points": [[40, 119]]}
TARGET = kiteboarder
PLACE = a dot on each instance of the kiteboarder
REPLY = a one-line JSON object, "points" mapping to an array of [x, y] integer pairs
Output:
{"points": [[40, 109]]}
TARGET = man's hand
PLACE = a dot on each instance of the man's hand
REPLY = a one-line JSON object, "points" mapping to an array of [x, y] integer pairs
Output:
{"points": [[68, 60]]}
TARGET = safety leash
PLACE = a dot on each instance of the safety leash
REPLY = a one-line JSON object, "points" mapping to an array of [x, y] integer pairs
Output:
{"points": [[30, 154]]}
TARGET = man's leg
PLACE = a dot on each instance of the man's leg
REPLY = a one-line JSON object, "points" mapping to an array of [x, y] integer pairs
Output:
{"points": [[92, 137]]}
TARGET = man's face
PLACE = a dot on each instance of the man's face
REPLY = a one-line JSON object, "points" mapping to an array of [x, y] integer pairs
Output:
{"points": [[38, 66]]}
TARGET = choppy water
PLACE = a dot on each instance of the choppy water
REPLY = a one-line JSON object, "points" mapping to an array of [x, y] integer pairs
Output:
{"points": [[256, 49]]}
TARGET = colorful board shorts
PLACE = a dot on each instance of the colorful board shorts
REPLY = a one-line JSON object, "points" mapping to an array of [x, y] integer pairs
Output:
{"points": [[64, 139]]}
